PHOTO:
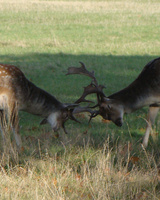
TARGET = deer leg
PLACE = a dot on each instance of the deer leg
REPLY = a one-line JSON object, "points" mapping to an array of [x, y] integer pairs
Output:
{"points": [[15, 126], [17, 136], [153, 111], [3, 125]]}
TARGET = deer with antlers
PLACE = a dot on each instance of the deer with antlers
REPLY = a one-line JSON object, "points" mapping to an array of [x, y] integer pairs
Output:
{"points": [[17, 93], [144, 91]]}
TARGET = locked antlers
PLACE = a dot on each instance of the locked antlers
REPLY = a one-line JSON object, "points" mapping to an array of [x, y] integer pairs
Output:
{"points": [[94, 87]]}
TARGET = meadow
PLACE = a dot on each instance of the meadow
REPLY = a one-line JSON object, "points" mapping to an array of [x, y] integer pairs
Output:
{"points": [[116, 39]]}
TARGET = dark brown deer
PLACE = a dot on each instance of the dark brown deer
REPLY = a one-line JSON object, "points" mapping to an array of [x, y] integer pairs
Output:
{"points": [[144, 91], [17, 93]]}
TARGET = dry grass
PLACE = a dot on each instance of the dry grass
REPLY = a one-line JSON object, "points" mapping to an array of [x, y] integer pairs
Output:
{"points": [[70, 171], [82, 174], [137, 7]]}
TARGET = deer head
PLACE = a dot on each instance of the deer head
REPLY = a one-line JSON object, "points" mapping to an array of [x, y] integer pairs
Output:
{"points": [[113, 110], [58, 119]]}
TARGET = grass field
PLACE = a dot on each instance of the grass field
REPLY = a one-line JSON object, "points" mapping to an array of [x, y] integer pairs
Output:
{"points": [[115, 38]]}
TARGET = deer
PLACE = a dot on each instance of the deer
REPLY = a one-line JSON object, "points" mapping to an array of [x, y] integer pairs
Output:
{"points": [[143, 91], [17, 93]]}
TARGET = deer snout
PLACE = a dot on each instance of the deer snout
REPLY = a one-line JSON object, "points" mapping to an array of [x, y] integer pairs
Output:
{"points": [[119, 122]]}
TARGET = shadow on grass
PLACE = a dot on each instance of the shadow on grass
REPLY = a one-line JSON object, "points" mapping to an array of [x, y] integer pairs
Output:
{"points": [[115, 72], [45, 70]]}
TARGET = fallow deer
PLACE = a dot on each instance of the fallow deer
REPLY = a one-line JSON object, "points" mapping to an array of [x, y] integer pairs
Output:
{"points": [[144, 91], [17, 93]]}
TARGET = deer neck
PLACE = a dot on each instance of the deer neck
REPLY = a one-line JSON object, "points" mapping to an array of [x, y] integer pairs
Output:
{"points": [[135, 96], [39, 102]]}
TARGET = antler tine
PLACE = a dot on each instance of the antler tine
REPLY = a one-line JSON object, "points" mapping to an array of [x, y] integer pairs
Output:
{"points": [[90, 89], [64, 128], [82, 70], [82, 109], [77, 110], [90, 74], [94, 114], [87, 90]]}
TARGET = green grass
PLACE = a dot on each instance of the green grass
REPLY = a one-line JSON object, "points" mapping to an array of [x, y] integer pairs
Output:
{"points": [[113, 38]]}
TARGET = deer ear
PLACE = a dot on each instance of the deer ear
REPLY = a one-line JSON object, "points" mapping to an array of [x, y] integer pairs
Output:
{"points": [[107, 103], [110, 101], [44, 121], [107, 100]]}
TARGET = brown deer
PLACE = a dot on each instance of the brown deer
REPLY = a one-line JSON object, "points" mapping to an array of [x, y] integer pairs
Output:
{"points": [[17, 93], [144, 91]]}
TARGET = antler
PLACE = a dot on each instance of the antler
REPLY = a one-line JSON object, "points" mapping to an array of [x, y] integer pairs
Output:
{"points": [[82, 70], [73, 111], [90, 89]]}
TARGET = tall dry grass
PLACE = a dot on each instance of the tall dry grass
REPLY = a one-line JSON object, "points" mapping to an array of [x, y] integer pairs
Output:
{"points": [[82, 173]]}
